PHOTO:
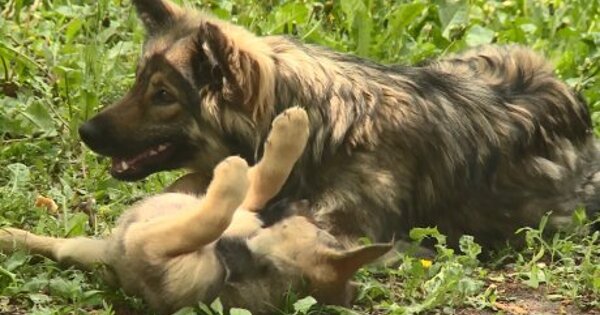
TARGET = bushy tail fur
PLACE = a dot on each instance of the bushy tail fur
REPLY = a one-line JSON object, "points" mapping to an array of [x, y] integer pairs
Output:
{"points": [[590, 188], [560, 158], [525, 79]]}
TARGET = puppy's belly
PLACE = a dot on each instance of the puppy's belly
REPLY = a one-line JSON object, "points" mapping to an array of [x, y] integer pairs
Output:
{"points": [[161, 205]]}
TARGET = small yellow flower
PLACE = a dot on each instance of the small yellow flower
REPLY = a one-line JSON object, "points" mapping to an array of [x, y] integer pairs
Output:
{"points": [[426, 263]]}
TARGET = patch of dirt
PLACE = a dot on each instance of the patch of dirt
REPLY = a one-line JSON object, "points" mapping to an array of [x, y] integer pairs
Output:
{"points": [[515, 298]]}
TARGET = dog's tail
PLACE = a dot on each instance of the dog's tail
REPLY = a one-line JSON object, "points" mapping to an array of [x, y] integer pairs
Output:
{"points": [[555, 116], [589, 192], [525, 80]]}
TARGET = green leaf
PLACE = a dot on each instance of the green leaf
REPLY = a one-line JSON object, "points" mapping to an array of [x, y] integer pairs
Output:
{"points": [[77, 224], [478, 35], [16, 260], [64, 288], [418, 234], [404, 15], [217, 306], [350, 8], [19, 176], [535, 277], [339, 310], [186, 311], [73, 28], [453, 15], [4, 272], [303, 306], [38, 298], [364, 26], [39, 115], [35, 284], [239, 311], [291, 12], [468, 246]]}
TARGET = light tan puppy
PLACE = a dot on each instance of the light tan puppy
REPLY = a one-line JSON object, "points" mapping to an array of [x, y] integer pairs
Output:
{"points": [[176, 250]]}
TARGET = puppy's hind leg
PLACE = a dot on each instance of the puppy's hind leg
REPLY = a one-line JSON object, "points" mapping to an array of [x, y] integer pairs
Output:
{"points": [[191, 230], [84, 253], [284, 146]]}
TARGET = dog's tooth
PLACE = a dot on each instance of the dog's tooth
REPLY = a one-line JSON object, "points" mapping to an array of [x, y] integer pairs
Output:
{"points": [[153, 152], [162, 147], [124, 166]]}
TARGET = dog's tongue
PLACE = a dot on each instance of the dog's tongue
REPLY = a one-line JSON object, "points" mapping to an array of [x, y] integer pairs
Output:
{"points": [[121, 165]]}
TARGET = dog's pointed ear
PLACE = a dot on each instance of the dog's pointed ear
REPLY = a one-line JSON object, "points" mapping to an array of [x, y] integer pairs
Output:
{"points": [[156, 14], [243, 62], [347, 262]]}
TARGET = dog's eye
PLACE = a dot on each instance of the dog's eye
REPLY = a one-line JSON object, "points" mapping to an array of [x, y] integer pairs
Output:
{"points": [[163, 96]]}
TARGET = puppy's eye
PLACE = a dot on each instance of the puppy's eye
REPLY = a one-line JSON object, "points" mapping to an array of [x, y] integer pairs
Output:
{"points": [[162, 96]]}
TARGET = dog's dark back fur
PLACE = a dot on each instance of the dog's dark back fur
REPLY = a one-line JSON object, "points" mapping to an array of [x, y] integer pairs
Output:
{"points": [[479, 143]]}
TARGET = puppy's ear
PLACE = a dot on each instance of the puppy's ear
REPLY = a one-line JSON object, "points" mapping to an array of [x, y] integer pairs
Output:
{"points": [[156, 14], [347, 262], [334, 286], [243, 60]]}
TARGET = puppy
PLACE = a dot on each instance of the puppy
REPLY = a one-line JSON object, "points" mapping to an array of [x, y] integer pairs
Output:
{"points": [[176, 250]]}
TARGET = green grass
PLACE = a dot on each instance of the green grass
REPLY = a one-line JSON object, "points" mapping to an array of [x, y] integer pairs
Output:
{"points": [[62, 60]]}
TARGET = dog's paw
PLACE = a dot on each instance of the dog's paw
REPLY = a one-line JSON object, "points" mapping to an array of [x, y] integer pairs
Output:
{"points": [[231, 178], [289, 134]]}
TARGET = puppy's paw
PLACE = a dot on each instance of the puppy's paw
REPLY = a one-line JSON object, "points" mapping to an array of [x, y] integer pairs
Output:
{"points": [[230, 178], [11, 239], [289, 134]]}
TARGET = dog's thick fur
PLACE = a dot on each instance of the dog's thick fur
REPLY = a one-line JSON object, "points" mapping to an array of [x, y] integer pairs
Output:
{"points": [[176, 250], [479, 143]]}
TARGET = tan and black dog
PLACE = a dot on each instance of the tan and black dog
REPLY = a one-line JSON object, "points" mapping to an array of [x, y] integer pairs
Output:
{"points": [[480, 143], [176, 250]]}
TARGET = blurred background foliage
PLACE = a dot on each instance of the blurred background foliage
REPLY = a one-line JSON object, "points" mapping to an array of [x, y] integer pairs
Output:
{"points": [[63, 60]]}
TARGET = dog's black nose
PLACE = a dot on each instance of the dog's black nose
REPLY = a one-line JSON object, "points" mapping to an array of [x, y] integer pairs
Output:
{"points": [[94, 135], [88, 132]]}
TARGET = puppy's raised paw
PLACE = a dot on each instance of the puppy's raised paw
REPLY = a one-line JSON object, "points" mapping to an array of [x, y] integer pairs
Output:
{"points": [[230, 178], [289, 134]]}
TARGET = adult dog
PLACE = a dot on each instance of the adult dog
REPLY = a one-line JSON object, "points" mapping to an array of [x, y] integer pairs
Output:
{"points": [[176, 250], [480, 143]]}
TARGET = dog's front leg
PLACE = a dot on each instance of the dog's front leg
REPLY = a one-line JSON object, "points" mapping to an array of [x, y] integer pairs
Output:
{"points": [[84, 253]]}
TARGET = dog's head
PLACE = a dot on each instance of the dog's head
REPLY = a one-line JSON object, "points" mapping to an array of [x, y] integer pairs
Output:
{"points": [[203, 90]]}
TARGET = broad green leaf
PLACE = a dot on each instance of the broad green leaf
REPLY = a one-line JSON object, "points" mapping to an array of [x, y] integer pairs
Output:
{"points": [[217, 306], [15, 260], [77, 224], [73, 28], [6, 273], [38, 298], [239, 311], [404, 15], [64, 288], [303, 306], [40, 116], [468, 246], [186, 311], [478, 35], [453, 15], [19, 176], [418, 234], [364, 26]]}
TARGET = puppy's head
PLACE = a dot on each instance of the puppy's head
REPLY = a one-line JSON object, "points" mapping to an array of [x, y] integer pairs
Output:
{"points": [[203, 90], [299, 248]]}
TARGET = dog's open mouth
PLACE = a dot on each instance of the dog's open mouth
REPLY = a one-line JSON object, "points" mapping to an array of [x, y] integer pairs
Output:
{"points": [[138, 165]]}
